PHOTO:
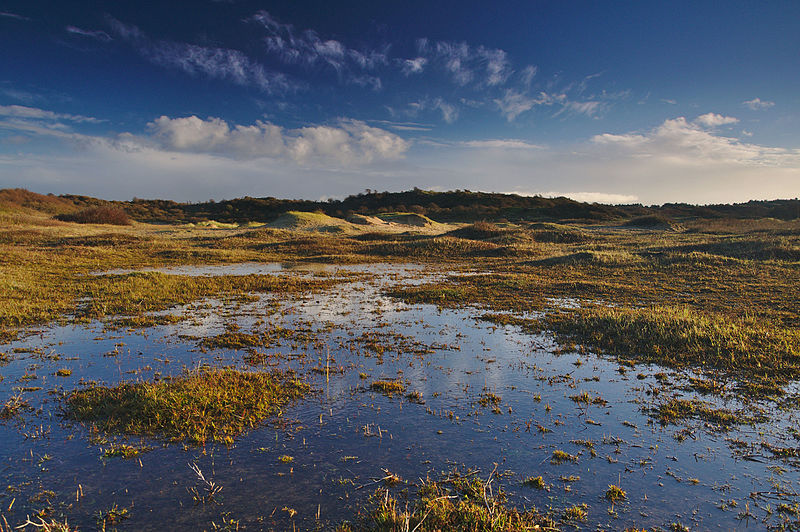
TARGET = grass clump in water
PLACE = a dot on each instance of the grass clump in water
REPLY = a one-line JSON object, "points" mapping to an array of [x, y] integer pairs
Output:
{"points": [[458, 502], [615, 493], [681, 337], [535, 482], [559, 457], [676, 410], [14, 406], [204, 405], [387, 387], [124, 450], [579, 512]]}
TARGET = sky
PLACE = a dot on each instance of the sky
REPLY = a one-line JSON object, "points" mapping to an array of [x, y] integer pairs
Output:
{"points": [[608, 101]]}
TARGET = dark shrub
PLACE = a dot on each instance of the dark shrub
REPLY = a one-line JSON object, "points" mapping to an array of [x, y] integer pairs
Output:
{"points": [[652, 221], [97, 215]]}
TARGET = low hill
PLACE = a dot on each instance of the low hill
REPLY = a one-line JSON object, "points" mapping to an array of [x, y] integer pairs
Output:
{"points": [[416, 207]]}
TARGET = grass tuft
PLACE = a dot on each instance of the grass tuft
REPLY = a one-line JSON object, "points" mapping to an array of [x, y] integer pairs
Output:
{"points": [[204, 405], [458, 502], [614, 493], [387, 387]]}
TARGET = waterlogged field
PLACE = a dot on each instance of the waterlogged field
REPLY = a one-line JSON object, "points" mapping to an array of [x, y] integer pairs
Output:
{"points": [[397, 394], [473, 377]]}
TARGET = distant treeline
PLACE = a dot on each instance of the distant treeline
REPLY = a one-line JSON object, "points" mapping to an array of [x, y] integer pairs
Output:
{"points": [[452, 206]]}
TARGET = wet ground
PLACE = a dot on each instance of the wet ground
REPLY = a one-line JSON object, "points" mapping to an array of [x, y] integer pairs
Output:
{"points": [[486, 396]]}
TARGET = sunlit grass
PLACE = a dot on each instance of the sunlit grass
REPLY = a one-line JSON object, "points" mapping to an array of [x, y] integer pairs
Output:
{"points": [[459, 502], [682, 337], [205, 405]]}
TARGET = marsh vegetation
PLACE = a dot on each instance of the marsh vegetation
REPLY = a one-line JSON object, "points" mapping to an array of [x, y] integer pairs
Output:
{"points": [[611, 372]]}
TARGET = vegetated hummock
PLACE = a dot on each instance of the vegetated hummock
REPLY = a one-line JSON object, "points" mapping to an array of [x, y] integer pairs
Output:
{"points": [[205, 405]]}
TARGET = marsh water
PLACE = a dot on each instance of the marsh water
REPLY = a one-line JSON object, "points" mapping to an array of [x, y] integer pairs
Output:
{"points": [[492, 397]]}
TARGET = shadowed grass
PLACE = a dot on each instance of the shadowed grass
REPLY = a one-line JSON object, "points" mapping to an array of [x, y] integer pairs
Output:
{"points": [[387, 387], [205, 405], [151, 291], [97, 215]]}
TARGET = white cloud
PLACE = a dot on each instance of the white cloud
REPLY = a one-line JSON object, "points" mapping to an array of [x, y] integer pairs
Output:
{"points": [[527, 75], [97, 34], [308, 48], [590, 108], [21, 111], [6, 14], [465, 63], [757, 103], [405, 126], [449, 111], [501, 144], [715, 120], [193, 159], [514, 103], [680, 141], [349, 142], [216, 63], [413, 66], [677, 161]]}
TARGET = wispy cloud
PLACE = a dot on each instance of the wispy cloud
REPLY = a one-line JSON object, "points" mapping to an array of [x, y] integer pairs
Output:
{"points": [[6, 14], [757, 104], [448, 110], [413, 66], [501, 144], [93, 34], [467, 64], [34, 113], [527, 75], [590, 108], [217, 63], [514, 103], [404, 126], [306, 47]]}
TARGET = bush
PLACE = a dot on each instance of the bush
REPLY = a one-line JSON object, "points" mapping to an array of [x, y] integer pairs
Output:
{"points": [[97, 215]]}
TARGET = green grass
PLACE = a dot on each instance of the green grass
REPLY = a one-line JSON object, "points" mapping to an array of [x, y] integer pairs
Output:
{"points": [[535, 482], [201, 406], [387, 387], [675, 410], [682, 337], [559, 457], [124, 450]]}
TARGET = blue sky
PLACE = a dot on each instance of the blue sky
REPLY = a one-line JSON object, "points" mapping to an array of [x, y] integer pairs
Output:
{"points": [[615, 101]]}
